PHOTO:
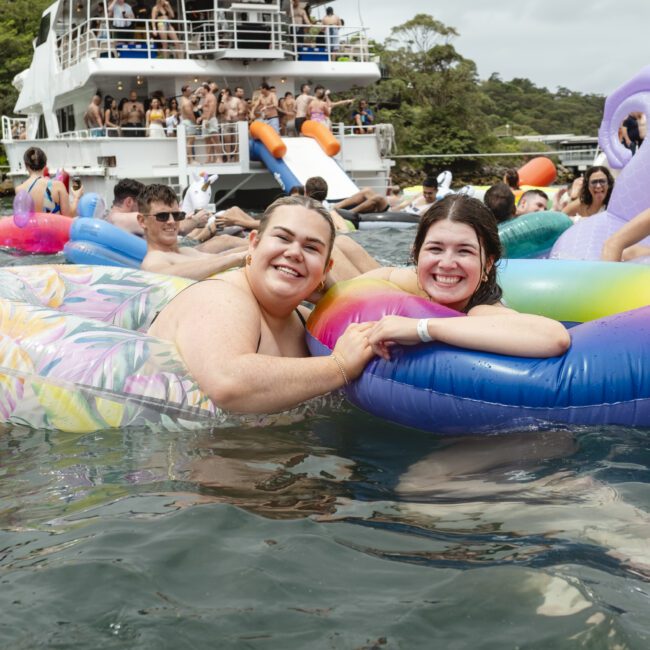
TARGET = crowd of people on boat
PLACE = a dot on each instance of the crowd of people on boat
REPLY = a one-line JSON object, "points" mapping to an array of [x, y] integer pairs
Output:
{"points": [[209, 111], [158, 21]]}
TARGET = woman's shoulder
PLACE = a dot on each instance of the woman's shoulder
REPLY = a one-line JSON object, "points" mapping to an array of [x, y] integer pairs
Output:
{"points": [[404, 277]]}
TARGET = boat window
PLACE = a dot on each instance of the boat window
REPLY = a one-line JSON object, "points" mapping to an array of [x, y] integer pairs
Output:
{"points": [[65, 118], [43, 30], [41, 134]]}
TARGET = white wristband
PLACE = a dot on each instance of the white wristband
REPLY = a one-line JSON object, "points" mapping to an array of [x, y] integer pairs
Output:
{"points": [[423, 330]]}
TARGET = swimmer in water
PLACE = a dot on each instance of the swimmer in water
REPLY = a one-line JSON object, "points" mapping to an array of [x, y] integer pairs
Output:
{"points": [[455, 251], [259, 362]]}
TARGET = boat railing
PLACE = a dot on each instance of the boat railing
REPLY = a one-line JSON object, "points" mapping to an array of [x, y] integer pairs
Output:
{"points": [[14, 128], [218, 33], [383, 133], [221, 145]]}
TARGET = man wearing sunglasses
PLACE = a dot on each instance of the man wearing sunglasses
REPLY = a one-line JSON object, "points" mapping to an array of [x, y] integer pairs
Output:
{"points": [[124, 211], [160, 219]]}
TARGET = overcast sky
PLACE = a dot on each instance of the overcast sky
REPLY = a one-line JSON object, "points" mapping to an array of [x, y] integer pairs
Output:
{"points": [[590, 46]]}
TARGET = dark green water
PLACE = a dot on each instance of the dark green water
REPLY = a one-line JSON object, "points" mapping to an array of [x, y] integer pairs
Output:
{"points": [[327, 530]]}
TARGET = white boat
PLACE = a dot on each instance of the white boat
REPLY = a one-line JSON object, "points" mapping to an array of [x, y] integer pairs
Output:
{"points": [[235, 44]]}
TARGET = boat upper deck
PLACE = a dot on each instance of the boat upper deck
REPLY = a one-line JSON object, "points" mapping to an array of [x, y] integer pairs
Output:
{"points": [[215, 30]]}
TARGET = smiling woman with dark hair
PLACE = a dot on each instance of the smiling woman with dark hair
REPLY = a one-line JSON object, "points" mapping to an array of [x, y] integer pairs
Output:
{"points": [[455, 252], [595, 193]]}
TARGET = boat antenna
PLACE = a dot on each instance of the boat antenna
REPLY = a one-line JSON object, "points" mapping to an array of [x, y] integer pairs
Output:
{"points": [[360, 16]]}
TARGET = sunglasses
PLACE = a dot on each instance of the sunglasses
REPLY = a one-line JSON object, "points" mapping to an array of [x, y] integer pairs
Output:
{"points": [[598, 181], [164, 216]]}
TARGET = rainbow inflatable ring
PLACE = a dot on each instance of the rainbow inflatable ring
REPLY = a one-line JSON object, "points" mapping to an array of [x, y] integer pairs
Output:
{"points": [[604, 378], [73, 355]]}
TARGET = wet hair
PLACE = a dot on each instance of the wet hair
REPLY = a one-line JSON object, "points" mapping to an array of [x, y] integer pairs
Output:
{"points": [[265, 86], [35, 159], [329, 11], [108, 101], [316, 188], [500, 200], [511, 178], [529, 194], [460, 208], [430, 181], [302, 201], [126, 188], [155, 192], [535, 192], [585, 194]]}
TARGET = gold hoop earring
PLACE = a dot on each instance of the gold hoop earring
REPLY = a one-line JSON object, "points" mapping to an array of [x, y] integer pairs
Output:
{"points": [[321, 285], [249, 259]]}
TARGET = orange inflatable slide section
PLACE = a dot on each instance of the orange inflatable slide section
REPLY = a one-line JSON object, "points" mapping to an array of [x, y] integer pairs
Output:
{"points": [[269, 137], [325, 138], [539, 171]]}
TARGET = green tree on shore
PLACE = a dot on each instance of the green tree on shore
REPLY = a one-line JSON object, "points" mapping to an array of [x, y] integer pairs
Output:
{"points": [[19, 21]]}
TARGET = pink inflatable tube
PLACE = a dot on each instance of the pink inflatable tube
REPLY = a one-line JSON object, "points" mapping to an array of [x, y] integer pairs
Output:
{"points": [[631, 195], [42, 233]]}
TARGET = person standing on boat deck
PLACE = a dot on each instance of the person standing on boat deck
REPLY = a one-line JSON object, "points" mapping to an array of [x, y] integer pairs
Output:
{"points": [[242, 108], [122, 17], [210, 127], [161, 16], [49, 195], [302, 104], [287, 107], [188, 120], [332, 26], [111, 117], [321, 106], [93, 117], [229, 110], [267, 107], [132, 118], [247, 348], [172, 117], [155, 119], [300, 21]]}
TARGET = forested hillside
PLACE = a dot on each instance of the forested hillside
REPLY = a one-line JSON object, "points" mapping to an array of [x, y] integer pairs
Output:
{"points": [[18, 27]]}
